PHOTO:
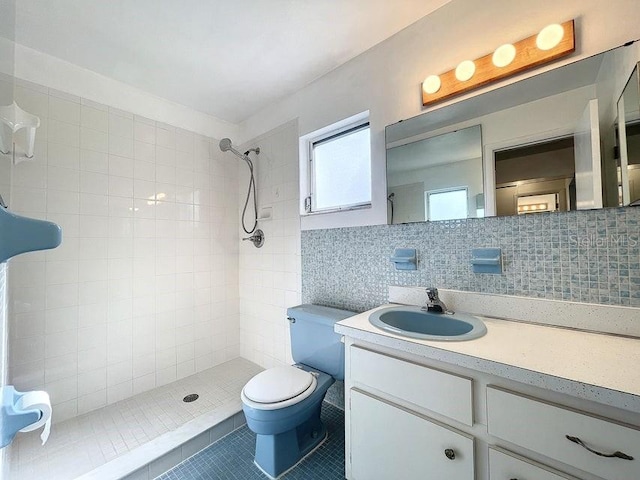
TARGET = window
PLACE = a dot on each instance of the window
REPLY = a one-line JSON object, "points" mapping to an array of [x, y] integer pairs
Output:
{"points": [[446, 204], [339, 168]]}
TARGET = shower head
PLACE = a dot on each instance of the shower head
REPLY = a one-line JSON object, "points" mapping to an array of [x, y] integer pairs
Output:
{"points": [[227, 146]]}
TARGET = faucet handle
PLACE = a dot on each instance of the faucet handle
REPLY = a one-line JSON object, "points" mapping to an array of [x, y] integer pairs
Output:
{"points": [[432, 293]]}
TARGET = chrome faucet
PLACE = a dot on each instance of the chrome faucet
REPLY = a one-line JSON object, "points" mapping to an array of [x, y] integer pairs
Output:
{"points": [[434, 304]]}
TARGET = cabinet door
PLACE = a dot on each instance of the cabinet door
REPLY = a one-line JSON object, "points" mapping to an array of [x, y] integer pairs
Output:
{"points": [[388, 442], [504, 466]]}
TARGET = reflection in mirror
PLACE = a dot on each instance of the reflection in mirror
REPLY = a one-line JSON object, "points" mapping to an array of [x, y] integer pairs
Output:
{"points": [[537, 178], [436, 178], [547, 143], [629, 142]]}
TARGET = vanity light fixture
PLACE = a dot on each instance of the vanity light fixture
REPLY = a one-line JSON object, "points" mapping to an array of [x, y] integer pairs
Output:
{"points": [[549, 37], [465, 70], [551, 43], [536, 207], [504, 55], [431, 84]]}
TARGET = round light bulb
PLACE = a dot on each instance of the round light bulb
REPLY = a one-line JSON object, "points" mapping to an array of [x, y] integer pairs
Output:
{"points": [[465, 70], [431, 84], [504, 55], [549, 37]]}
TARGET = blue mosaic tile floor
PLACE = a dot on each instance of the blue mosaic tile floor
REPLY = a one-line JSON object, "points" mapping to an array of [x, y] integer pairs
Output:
{"points": [[231, 458]]}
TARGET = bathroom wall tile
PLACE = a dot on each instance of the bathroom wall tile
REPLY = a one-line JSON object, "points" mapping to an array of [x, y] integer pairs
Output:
{"points": [[119, 392], [94, 140], [121, 146], [268, 278], [65, 366], [121, 126], [60, 155], [564, 256], [166, 136], [64, 110], [144, 132], [92, 401], [93, 161], [92, 381], [115, 309], [64, 133], [59, 178], [29, 200], [165, 156], [144, 151], [62, 390], [94, 117]]}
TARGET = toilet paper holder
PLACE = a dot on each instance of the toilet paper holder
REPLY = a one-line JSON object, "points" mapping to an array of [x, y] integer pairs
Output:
{"points": [[12, 418]]}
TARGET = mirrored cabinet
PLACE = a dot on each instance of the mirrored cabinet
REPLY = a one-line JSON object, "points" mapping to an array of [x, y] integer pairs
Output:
{"points": [[566, 139], [628, 137]]}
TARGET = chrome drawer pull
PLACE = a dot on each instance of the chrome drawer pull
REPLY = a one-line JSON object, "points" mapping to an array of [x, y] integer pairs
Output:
{"points": [[621, 455]]}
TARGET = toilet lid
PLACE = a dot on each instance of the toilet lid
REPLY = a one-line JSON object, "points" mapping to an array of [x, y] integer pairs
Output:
{"points": [[277, 384]]}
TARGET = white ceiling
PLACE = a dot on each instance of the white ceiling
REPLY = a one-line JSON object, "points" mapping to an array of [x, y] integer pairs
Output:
{"points": [[227, 58]]}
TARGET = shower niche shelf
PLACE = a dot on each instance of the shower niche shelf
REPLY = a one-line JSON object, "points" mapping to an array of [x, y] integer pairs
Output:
{"points": [[22, 234]]}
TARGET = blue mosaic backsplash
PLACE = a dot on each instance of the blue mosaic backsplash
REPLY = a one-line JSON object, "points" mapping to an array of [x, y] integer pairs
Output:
{"points": [[586, 256]]}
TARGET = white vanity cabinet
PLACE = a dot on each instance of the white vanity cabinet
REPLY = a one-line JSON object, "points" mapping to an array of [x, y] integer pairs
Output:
{"points": [[389, 442], [388, 439], [409, 420], [600, 446]]}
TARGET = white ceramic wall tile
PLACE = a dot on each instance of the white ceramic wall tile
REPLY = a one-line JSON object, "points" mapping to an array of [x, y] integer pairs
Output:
{"points": [[120, 306], [269, 277]]}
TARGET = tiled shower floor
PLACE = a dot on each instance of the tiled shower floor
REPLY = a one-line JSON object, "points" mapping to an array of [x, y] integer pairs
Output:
{"points": [[231, 458], [83, 443]]}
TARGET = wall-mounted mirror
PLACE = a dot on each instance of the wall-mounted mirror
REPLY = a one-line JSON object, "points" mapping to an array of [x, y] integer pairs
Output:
{"points": [[547, 144], [628, 137], [437, 178]]}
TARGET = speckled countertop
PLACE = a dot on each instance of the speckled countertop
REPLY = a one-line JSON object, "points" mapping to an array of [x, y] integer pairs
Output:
{"points": [[592, 366]]}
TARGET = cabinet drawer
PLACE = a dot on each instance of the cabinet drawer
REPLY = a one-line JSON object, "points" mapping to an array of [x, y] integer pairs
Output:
{"points": [[440, 392], [543, 428], [388, 442], [507, 466]]}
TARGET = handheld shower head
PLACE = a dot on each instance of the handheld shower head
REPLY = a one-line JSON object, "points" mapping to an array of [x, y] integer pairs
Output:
{"points": [[225, 144]]}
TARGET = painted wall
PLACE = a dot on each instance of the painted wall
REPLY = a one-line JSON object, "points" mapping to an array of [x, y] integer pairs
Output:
{"points": [[386, 79], [270, 276], [143, 289]]}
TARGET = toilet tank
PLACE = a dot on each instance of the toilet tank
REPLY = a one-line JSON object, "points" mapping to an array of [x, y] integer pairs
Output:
{"points": [[313, 341]]}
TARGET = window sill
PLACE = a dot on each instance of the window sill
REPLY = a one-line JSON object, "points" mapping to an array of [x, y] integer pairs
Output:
{"points": [[337, 210]]}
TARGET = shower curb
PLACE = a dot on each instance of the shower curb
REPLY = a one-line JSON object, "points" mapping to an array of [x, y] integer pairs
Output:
{"points": [[166, 451]]}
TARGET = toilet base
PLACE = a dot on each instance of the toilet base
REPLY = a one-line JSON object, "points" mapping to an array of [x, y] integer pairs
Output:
{"points": [[277, 454]]}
